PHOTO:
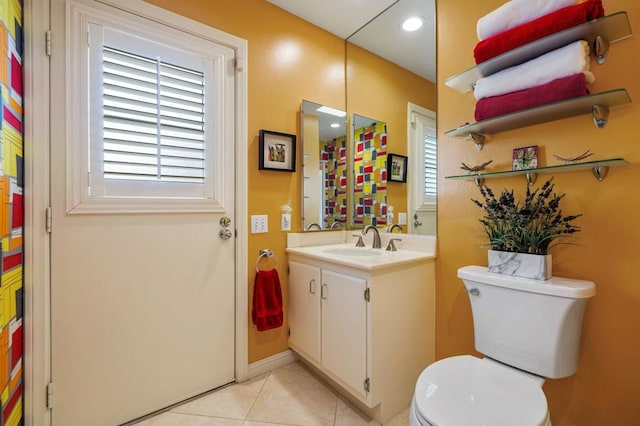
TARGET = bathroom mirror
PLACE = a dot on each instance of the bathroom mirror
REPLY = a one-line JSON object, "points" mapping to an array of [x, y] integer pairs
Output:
{"points": [[324, 171], [376, 89], [373, 89], [369, 182]]}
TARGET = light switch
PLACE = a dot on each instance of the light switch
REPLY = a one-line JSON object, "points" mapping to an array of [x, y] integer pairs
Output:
{"points": [[259, 223], [402, 218]]}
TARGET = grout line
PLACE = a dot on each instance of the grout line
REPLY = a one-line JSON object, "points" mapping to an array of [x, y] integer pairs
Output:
{"points": [[335, 412], [257, 396]]}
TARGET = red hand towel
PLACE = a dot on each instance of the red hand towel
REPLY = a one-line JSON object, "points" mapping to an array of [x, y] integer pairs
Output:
{"points": [[545, 25], [267, 301], [556, 90]]}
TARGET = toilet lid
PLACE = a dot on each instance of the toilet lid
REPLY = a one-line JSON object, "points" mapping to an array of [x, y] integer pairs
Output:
{"points": [[467, 391]]}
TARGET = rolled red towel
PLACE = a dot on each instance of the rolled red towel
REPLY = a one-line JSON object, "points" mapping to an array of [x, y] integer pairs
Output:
{"points": [[266, 312], [548, 24], [556, 90]]}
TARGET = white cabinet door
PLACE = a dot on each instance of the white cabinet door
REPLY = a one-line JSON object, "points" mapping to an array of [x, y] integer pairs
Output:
{"points": [[344, 328], [304, 309]]}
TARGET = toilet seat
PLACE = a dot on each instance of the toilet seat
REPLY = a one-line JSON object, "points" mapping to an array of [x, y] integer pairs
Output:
{"points": [[466, 391]]}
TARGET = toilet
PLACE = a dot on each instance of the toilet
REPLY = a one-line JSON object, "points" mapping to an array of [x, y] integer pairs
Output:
{"points": [[528, 330]]}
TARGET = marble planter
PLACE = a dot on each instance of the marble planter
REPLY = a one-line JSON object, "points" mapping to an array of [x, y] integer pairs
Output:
{"points": [[524, 265]]}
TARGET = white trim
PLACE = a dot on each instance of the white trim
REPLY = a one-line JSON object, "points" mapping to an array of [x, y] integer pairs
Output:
{"points": [[37, 160], [36, 241], [269, 364]]}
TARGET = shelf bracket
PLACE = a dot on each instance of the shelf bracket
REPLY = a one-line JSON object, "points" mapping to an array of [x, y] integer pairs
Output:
{"points": [[531, 178], [600, 115], [600, 172], [478, 140], [479, 181], [600, 49]]}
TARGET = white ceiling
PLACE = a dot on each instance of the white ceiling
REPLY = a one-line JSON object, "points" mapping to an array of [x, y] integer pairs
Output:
{"points": [[375, 25]]}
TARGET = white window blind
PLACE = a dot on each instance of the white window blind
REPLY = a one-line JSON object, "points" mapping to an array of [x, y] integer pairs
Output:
{"points": [[430, 165], [153, 122]]}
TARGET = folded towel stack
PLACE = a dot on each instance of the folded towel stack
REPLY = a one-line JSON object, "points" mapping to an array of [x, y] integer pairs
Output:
{"points": [[563, 62], [543, 26], [554, 91], [557, 75]]}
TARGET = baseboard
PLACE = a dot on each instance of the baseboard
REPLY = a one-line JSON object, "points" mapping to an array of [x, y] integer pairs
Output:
{"points": [[271, 363]]}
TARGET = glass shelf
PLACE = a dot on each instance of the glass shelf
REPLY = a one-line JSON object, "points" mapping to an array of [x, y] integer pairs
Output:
{"points": [[600, 168], [614, 27], [544, 113]]}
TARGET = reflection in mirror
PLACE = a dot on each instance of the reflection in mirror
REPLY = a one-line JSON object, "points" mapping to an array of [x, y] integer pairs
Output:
{"points": [[369, 172], [388, 69], [324, 177]]}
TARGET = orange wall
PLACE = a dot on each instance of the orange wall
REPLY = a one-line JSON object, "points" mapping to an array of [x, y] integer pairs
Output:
{"points": [[289, 60], [605, 390], [379, 89]]}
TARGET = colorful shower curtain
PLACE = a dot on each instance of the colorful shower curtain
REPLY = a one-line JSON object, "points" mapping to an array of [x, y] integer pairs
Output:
{"points": [[11, 214]]}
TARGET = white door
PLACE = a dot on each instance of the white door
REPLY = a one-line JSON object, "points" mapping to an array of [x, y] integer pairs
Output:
{"points": [[344, 328], [423, 170], [304, 309], [142, 304]]}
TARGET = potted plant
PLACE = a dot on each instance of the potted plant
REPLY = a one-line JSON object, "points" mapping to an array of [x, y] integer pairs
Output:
{"points": [[521, 233]]}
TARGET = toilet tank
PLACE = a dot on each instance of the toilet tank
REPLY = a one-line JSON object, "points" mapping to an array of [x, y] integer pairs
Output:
{"points": [[529, 324]]}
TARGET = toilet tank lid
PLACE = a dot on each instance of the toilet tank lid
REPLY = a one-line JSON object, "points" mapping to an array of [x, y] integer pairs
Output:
{"points": [[555, 286]]}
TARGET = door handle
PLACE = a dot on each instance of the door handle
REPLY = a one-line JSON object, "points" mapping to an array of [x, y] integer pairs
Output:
{"points": [[324, 292]]}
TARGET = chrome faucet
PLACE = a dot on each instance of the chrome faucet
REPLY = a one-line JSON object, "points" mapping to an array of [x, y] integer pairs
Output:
{"points": [[395, 226], [313, 225], [376, 235], [335, 225]]}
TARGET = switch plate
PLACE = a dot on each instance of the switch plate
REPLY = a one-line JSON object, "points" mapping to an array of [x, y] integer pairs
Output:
{"points": [[285, 224], [402, 218], [259, 223]]}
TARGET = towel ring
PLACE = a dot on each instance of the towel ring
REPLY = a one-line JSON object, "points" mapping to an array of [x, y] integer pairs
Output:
{"points": [[266, 253]]}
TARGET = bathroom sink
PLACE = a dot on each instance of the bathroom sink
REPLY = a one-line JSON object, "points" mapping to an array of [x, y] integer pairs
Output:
{"points": [[354, 251]]}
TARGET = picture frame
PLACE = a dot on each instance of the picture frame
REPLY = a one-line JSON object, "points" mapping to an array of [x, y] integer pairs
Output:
{"points": [[277, 151], [525, 158], [397, 167]]}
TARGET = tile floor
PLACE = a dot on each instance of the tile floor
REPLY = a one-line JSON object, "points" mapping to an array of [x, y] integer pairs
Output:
{"points": [[290, 395]]}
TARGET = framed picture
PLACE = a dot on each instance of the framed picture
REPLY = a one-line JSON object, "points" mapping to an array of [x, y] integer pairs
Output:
{"points": [[525, 158], [277, 151], [397, 167]]}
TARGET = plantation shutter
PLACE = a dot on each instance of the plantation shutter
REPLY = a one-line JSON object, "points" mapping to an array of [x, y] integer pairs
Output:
{"points": [[430, 165], [153, 119]]}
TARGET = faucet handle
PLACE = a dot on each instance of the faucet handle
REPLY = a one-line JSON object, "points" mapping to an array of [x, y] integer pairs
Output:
{"points": [[392, 246], [359, 243]]}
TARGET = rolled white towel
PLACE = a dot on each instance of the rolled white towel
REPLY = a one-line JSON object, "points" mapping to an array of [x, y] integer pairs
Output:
{"points": [[517, 12], [563, 62]]}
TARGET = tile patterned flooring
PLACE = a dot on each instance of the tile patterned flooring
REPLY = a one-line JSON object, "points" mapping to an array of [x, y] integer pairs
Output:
{"points": [[290, 395]]}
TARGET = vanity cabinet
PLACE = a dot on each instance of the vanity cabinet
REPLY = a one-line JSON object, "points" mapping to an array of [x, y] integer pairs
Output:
{"points": [[368, 329], [328, 322]]}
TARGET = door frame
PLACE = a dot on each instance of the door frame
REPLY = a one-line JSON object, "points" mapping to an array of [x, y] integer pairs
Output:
{"points": [[37, 281], [415, 150]]}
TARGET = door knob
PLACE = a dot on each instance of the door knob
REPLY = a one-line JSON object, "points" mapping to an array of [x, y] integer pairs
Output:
{"points": [[225, 234], [416, 222], [225, 221]]}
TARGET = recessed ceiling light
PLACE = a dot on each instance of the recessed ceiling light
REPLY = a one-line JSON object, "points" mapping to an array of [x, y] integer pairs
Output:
{"points": [[412, 23], [332, 111], [335, 125]]}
